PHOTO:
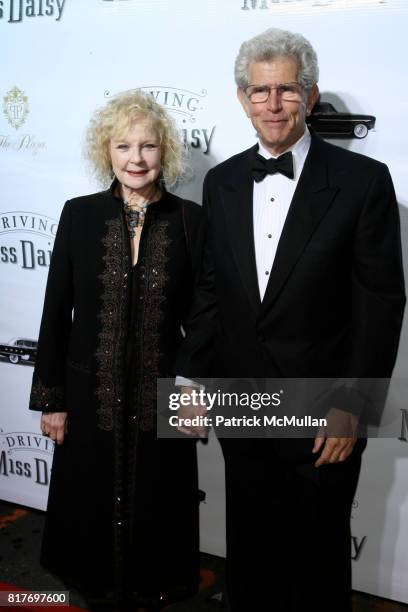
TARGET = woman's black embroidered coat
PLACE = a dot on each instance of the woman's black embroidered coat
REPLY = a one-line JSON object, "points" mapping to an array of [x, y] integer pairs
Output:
{"points": [[123, 507]]}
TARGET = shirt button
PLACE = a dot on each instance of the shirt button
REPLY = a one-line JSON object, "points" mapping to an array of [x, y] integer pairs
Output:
{"points": [[272, 199], [269, 235], [267, 272]]}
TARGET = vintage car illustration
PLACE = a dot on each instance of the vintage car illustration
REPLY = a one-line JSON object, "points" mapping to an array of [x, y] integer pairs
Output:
{"points": [[328, 122], [19, 349]]}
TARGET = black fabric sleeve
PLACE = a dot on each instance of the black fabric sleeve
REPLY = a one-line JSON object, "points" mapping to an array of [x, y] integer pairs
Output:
{"points": [[196, 355], [378, 295], [48, 387], [378, 302]]}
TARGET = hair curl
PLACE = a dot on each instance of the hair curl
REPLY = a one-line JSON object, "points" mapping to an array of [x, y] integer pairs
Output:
{"points": [[274, 43], [116, 119]]}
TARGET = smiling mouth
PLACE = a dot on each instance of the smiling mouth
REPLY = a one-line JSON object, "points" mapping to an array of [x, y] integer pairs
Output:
{"points": [[136, 173]]}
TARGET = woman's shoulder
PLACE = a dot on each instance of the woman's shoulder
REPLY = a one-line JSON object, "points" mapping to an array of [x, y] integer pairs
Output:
{"points": [[88, 199]]}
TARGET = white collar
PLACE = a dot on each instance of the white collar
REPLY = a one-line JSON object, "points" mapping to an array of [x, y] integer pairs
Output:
{"points": [[299, 149]]}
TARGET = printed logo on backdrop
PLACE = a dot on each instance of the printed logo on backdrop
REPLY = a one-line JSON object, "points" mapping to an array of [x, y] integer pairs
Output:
{"points": [[18, 350], [327, 121], [262, 5], [185, 106], [25, 456], [16, 11], [16, 109], [404, 425], [26, 239], [357, 543]]}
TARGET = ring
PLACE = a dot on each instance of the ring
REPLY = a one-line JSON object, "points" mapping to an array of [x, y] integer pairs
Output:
{"points": [[46, 433]]}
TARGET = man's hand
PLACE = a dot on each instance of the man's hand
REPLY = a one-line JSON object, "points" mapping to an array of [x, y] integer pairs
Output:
{"points": [[336, 449], [189, 412], [54, 425]]}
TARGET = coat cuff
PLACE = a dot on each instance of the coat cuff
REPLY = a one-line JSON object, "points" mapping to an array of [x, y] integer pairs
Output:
{"points": [[47, 399]]}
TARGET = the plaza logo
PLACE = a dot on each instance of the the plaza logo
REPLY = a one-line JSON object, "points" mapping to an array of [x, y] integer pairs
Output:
{"points": [[15, 107], [16, 11], [26, 455], [186, 107], [15, 110], [29, 252]]}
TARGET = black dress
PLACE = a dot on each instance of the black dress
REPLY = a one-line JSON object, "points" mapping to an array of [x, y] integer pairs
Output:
{"points": [[122, 516]]}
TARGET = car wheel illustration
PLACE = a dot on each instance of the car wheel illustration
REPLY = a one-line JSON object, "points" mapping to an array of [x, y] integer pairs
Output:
{"points": [[14, 358], [360, 130]]}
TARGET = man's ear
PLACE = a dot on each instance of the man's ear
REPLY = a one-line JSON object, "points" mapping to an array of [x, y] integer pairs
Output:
{"points": [[312, 98], [245, 103]]}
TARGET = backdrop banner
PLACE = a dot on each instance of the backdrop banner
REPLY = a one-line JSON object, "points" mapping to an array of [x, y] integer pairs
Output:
{"points": [[65, 59]]}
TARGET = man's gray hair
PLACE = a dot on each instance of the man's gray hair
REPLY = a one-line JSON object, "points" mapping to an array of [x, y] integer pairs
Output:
{"points": [[274, 43]]}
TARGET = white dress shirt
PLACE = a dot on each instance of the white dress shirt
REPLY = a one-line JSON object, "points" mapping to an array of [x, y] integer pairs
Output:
{"points": [[272, 198]]}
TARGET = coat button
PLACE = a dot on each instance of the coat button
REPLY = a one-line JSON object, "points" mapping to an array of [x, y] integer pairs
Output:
{"points": [[261, 338]]}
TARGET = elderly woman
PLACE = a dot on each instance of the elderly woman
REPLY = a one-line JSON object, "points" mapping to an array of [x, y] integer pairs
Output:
{"points": [[122, 518]]}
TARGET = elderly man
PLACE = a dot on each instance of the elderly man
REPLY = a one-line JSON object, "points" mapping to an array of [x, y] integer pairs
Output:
{"points": [[302, 277]]}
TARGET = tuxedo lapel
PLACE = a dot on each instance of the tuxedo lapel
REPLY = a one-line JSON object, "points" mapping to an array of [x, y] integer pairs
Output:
{"points": [[310, 202], [237, 200]]}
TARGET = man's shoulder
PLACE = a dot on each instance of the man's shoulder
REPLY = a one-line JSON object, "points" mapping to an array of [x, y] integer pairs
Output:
{"points": [[345, 159], [180, 202], [232, 165], [189, 208]]}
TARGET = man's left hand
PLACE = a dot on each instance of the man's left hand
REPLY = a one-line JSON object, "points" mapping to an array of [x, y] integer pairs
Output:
{"points": [[337, 448]]}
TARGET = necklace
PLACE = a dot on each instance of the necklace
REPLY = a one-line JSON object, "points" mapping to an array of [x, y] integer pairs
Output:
{"points": [[135, 216]]}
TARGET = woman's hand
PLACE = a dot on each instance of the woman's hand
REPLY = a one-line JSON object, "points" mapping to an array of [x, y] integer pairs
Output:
{"points": [[54, 425]]}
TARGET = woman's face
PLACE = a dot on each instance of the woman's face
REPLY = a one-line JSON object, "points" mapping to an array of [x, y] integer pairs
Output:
{"points": [[136, 158]]}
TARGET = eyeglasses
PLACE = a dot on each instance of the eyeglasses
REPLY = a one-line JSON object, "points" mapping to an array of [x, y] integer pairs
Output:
{"points": [[290, 92]]}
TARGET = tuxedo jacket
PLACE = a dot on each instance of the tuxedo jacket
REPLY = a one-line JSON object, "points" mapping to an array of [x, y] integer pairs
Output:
{"points": [[334, 302]]}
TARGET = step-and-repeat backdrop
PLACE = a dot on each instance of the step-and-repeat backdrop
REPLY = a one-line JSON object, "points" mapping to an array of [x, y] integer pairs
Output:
{"points": [[63, 58]]}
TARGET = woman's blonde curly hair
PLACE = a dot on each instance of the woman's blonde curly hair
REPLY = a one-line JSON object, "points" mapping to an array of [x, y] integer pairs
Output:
{"points": [[117, 118]]}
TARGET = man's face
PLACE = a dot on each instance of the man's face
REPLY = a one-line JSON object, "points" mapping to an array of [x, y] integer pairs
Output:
{"points": [[279, 123]]}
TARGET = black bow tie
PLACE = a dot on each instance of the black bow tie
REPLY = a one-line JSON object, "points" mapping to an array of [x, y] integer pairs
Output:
{"points": [[283, 164]]}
